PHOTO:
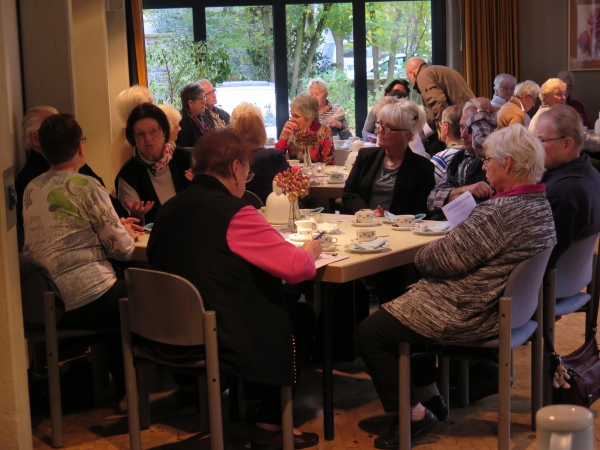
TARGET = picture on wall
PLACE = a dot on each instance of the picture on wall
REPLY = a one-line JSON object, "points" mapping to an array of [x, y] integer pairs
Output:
{"points": [[584, 34]]}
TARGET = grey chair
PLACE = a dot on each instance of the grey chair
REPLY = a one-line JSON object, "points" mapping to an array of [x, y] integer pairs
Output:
{"points": [[519, 318], [575, 270], [42, 308], [252, 199], [167, 309]]}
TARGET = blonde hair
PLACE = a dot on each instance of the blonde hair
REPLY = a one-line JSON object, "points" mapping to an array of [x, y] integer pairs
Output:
{"points": [[524, 148], [173, 116], [400, 113], [549, 86], [248, 120], [320, 84], [33, 120], [130, 98]]}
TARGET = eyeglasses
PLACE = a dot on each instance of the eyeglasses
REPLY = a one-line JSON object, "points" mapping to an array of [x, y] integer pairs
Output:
{"points": [[214, 91], [250, 176], [202, 99], [507, 88], [486, 161], [388, 130], [154, 132], [543, 141], [83, 139]]}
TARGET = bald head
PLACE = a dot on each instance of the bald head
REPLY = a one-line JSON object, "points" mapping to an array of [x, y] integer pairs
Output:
{"points": [[412, 67]]}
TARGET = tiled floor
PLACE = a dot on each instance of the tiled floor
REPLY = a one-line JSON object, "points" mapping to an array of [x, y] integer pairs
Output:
{"points": [[358, 415]]}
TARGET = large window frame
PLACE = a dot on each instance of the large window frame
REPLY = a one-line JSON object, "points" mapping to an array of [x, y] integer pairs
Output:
{"points": [[438, 51]]}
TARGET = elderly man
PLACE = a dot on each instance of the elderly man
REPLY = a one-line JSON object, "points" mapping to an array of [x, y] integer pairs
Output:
{"points": [[439, 86], [449, 135], [504, 86], [214, 116], [465, 173], [193, 106], [571, 181], [515, 110], [569, 79]]}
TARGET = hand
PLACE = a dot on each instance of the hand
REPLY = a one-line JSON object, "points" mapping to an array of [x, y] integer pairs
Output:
{"points": [[133, 230], [379, 212], [314, 247], [334, 123], [480, 190], [138, 208], [288, 129], [484, 103], [371, 139], [189, 175]]}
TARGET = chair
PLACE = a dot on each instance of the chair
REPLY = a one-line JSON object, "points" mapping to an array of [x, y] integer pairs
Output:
{"points": [[575, 269], [168, 309], [521, 300], [252, 199], [42, 308]]}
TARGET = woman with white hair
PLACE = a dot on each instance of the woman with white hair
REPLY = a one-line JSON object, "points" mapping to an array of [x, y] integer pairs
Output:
{"points": [[552, 92], [174, 117], [390, 176], [515, 110], [330, 114], [569, 80], [464, 275], [504, 86]]}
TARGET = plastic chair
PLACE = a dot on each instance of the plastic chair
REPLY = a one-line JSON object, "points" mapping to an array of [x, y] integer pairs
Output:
{"points": [[42, 308], [576, 269], [168, 309], [252, 199], [521, 300]]}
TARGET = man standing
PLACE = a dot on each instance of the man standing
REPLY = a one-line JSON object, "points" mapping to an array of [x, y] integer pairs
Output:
{"points": [[439, 86], [214, 116], [571, 181]]}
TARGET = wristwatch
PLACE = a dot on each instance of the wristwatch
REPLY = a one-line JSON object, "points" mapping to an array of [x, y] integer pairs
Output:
{"points": [[483, 111]]}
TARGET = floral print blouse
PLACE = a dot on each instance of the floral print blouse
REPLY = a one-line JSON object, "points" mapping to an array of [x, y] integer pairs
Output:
{"points": [[323, 153]]}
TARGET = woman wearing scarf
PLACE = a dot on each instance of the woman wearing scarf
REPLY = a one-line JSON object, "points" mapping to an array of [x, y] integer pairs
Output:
{"points": [[156, 172]]}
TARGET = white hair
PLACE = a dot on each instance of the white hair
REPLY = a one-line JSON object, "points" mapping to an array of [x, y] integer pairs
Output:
{"points": [[503, 78], [33, 120], [566, 75], [173, 116], [130, 98], [400, 113], [320, 84], [527, 87]]}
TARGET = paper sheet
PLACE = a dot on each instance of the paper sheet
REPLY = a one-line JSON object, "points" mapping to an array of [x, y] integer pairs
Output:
{"points": [[326, 258], [458, 209]]}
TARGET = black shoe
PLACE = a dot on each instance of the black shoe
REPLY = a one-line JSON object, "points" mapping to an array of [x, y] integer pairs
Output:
{"points": [[438, 406], [419, 428], [272, 440]]}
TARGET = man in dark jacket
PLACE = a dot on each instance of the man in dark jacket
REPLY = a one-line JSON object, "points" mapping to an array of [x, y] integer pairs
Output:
{"points": [[214, 116], [572, 184]]}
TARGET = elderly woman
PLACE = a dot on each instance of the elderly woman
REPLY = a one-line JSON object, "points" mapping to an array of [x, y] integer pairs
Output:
{"points": [[304, 110], [391, 177], [238, 277], [174, 117], [156, 172], [569, 79], [330, 115], [193, 106], [120, 150], [504, 86], [396, 88], [552, 92], [247, 119], [515, 110], [449, 303]]}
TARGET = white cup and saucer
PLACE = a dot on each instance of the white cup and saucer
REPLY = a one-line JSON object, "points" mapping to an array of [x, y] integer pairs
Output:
{"points": [[336, 177], [328, 242], [365, 218], [404, 222], [365, 235]]}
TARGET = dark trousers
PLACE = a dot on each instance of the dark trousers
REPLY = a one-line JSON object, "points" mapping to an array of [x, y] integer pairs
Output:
{"points": [[376, 340]]}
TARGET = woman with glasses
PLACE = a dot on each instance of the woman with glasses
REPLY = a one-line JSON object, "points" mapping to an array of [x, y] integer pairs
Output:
{"points": [[515, 110], [391, 177], [330, 115], [193, 106], [226, 248], [156, 172], [552, 92], [396, 88], [504, 86]]}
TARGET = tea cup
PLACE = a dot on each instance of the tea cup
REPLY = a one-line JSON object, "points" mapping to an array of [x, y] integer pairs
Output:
{"points": [[336, 176], [365, 235], [293, 162], [270, 141], [327, 240], [405, 220], [306, 227], [364, 216]]}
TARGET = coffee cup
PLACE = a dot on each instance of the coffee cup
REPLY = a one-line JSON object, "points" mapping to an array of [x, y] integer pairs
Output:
{"points": [[270, 141], [405, 220], [564, 427], [293, 162], [336, 176], [327, 240], [365, 235], [306, 227], [364, 216]]}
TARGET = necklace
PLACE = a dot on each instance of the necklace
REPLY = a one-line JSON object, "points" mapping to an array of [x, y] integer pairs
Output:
{"points": [[390, 162]]}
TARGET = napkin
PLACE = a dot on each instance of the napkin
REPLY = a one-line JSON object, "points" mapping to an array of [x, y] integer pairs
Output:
{"points": [[369, 245], [442, 226], [389, 216]]}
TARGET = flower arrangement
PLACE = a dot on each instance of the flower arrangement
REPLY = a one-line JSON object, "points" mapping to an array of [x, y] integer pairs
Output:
{"points": [[293, 184], [306, 138]]}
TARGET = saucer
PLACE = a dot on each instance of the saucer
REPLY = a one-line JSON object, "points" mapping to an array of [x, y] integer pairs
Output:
{"points": [[431, 233], [333, 248], [300, 237], [336, 182], [401, 228], [366, 224], [369, 250]]}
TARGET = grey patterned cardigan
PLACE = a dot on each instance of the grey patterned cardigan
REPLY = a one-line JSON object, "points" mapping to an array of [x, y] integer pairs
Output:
{"points": [[466, 271]]}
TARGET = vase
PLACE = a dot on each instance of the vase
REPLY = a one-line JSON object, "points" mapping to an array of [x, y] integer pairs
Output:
{"points": [[307, 164], [293, 215]]}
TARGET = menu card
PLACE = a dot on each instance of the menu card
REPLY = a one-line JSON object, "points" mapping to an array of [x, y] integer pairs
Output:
{"points": [[459, 209], [328, 258]]}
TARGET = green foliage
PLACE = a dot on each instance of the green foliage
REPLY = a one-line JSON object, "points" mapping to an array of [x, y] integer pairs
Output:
{"points": [[172, 20], [184, 61]]}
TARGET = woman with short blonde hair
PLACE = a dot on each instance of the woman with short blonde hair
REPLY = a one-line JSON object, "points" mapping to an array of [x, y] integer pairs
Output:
{"points": [[552, 92]]}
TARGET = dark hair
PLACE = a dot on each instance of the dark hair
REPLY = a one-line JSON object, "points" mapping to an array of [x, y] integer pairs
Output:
{"points": [[390, 87], [190, 92], [146, 111], [216, 150], [60, 136]]}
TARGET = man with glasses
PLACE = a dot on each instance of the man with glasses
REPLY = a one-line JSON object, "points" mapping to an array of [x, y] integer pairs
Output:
{"points": [[214, 116], [523, 100], [504, 86], [571, 181], [193, 125]]}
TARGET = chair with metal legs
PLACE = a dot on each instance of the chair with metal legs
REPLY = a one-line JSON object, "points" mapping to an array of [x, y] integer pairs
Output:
{"points": [[520, 315]]}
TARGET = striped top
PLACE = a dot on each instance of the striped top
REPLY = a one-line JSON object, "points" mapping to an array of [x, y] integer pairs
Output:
{"points": [[464, 273], [335, 112], [441, 160]]}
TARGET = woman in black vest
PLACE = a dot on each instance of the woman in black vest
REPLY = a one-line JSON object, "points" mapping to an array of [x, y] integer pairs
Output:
{"points": [[156, 172], [226, 248]]}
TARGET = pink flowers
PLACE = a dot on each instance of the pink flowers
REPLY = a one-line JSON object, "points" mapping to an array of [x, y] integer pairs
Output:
{"points": [[293, 183], [306, 138], [586, 38], [584, 41]]}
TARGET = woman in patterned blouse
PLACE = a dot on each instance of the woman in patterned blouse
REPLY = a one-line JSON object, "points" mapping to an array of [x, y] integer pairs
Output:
{"points": [[330, 115], [304, 110]]}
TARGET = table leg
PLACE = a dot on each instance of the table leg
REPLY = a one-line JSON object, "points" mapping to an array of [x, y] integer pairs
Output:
{"points": [[327, 357]]}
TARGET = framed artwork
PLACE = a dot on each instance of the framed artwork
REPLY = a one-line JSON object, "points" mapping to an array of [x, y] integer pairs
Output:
{"points": [[584, 34]]}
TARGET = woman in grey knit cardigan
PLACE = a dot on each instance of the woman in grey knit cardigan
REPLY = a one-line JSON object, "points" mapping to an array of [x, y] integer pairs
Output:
{"points": [[464, 275]]}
